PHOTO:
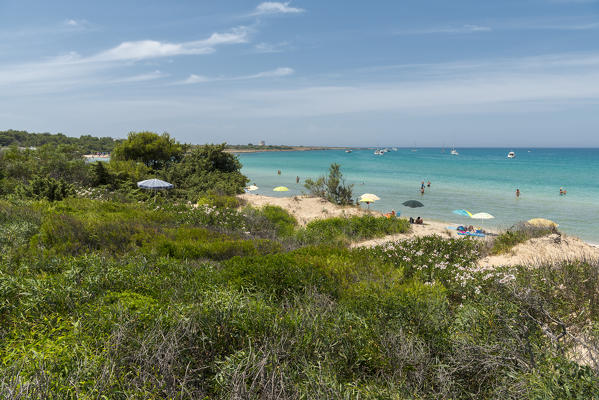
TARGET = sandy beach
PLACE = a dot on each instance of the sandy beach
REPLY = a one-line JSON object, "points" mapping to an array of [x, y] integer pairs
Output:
{"points": [[531, 252]]}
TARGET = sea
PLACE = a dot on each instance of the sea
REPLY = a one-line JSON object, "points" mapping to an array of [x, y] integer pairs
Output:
{"points": [[478, 180]]}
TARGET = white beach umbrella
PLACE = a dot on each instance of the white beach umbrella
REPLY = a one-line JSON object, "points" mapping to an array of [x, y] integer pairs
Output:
{"points": [[481, 216]]}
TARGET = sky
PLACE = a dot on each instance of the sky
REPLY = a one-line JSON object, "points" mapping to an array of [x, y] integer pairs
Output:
{"points": [[514, 73]]}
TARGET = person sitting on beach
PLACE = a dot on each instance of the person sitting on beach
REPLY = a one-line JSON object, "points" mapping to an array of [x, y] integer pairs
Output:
{"points": [[419, 221], [391, 214], [412, 220], [470, 228]]}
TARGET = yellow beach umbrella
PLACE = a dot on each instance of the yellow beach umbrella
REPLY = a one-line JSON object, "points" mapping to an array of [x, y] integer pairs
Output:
{"points": [[281, 189], [542, 222], [369, 198]]}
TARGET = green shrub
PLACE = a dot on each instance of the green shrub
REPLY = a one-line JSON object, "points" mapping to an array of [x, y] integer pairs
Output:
{"points": [[332, 187], [47, 188], [219, 201], [344, 230], [214, 250]]}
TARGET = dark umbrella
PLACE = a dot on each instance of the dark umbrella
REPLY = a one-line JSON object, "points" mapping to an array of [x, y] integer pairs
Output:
{"points": [[154, 184], [413, 204]]}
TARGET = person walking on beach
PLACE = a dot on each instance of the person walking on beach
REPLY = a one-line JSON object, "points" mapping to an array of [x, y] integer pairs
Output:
{"points": [[517, 192]]}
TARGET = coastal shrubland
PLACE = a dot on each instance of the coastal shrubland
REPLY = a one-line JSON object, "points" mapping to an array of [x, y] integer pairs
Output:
{"points": [[108, 294]]}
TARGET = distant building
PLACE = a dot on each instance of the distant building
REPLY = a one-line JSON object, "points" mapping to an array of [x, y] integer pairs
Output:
{"points": [[262, 143]]}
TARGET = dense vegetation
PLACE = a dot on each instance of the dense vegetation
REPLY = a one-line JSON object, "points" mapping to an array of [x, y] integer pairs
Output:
{"points": [[113, 296], [87, 143], [55, 171]]}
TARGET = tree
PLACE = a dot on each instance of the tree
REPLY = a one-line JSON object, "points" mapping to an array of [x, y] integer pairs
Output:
{"points": [[100, 174], [207, 168], [332, 188], [155, 151]]}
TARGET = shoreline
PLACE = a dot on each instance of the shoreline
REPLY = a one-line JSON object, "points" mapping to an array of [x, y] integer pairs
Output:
{"points": [[298, 148]]}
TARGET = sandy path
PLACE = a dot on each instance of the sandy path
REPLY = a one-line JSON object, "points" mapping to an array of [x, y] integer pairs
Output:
{"points": [[304, 208]]}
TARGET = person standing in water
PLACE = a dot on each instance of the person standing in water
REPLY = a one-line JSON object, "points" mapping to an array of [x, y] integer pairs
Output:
{"points": [[428, 184], [279, 172], [517, 192], [297, 179]]}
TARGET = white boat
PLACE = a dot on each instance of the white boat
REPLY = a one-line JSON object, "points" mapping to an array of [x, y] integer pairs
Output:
{"points": [[394, 149], [348, 151], [511, 154], [378, 152], [454, 152]]}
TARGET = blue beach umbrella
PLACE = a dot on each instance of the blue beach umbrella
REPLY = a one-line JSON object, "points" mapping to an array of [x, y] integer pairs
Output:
{"points": [[463, 213], [154, 184]]}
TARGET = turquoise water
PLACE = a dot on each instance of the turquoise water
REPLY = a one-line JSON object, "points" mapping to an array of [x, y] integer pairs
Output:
{"points": [[479, 180]]}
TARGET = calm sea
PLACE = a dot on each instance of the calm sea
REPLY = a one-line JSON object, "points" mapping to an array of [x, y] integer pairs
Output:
{"points": [[479, 180]]}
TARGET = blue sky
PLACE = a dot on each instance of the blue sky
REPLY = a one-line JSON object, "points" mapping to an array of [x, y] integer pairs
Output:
{"points": [[404, 73]]}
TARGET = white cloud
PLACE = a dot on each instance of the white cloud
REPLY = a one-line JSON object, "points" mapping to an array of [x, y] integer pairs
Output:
{"points": [[71, 22], [270, 47], [193, 78], [275, 7], [146, 49], [468, 28], [278, 72], [150, 76]]}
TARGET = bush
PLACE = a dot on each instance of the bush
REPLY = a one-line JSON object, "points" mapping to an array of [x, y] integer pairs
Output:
{"points": [[47, 189], [332, 188], [342, 231]]}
